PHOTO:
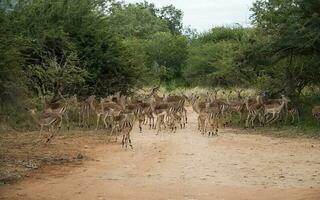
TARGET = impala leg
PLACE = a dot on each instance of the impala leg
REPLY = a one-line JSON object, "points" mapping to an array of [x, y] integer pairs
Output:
{"points": [[140, 126], [158, 126], [85, 117], [277, 117], [105, 121], [185, 115], [247, 121], [50, 137], [204, 126], [199, 128], [217, 127], [67, 120], [161, 123], [140, 119], [130, 141], [200, 125], [117, 135], [266, 116], [150, 121], [112, 130], [60, 123], [98, 119], [40, 133], [145, 119], [261, 119], [126, 140], [51, 134], [252, 120], [271, 119], [292, 118], [153, 124], [123, 140], [79, 121], [88, 117]]}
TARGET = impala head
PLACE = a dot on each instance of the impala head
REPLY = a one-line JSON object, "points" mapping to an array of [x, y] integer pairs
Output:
{"points": [[246, 99], [117, 94], [116, 112], [108, 98], [33, 111], [153, 99], [194, 99], [73, 99], [90, 99], [103, 100], [185, 97], [129, 99], [285, 99], [155, 89], [189, 97]]}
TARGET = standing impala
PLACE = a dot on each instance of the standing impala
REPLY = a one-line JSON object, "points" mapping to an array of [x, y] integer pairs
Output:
{"points": [[255, 110], [160, 110], [316, 113]]}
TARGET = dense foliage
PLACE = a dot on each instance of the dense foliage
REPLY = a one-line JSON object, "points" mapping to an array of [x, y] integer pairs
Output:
{"points": [[289, 45], [212, 61]]}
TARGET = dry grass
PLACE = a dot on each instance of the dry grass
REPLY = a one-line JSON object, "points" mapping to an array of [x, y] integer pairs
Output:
{"points": [[222, 93]]}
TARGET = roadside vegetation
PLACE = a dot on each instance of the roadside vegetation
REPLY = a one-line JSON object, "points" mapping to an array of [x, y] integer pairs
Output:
{"points": [[101, 47]]}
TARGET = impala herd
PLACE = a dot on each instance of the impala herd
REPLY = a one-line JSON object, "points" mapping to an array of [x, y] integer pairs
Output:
{"points": [[118, 113]]}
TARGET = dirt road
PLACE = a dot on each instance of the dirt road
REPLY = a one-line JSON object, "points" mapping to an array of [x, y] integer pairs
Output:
{"points": [[185, 165]]}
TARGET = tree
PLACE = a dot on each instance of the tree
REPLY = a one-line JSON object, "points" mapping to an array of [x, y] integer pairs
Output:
{"points": [[136, 20], [213, 59], [291, 47], [53, 77], [167, 55], [173, 17], [56, 30], [12, 78]]}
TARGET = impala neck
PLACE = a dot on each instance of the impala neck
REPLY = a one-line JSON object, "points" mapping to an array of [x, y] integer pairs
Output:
{"points": [[35, 117], [283, 103], [157, 97], [122, 102], [93, 104], [259, 100], [247, 103], [228, 101], [195, 105]]}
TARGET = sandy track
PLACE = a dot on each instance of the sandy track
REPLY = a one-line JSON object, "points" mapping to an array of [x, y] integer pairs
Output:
{"points": [[185, 165]]}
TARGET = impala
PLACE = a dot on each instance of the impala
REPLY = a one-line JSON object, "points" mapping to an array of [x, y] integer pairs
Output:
{"points": [[46, 119]]}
